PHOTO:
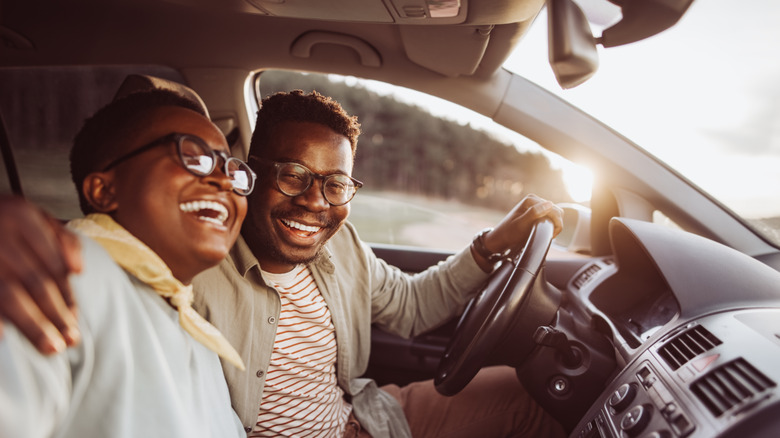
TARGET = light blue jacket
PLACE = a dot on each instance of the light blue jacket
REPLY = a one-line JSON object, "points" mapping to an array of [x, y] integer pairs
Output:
{"points": [[136, 372]]}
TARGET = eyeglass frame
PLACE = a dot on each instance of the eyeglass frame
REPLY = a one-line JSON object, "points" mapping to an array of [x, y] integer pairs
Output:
{"points": [[177, 139], [312, 176]]}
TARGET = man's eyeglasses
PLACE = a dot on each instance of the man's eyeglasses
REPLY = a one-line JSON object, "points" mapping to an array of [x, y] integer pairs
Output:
{"points": [[293, 179], [200, 160]]}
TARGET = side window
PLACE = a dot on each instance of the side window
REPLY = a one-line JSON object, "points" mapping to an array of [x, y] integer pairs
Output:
{"points": [[430, 179], [43, 109]]}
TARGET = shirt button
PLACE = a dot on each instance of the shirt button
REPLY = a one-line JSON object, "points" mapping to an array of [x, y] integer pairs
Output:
{"points": [[271, 320], [259, 373]]}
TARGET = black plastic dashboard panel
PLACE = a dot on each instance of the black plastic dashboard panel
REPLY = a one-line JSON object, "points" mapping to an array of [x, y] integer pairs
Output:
{"points": [[708, 362], [704, 276]]}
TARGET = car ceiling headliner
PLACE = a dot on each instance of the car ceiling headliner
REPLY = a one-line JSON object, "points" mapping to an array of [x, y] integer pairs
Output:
{"points": [[181, 33]]}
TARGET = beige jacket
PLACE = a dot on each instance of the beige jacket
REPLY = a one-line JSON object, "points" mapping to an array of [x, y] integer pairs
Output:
{"points": [[360, 290]]}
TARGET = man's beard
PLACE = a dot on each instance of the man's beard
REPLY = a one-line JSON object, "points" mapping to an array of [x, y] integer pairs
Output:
{"points": [[268, 246], [278, 255]]}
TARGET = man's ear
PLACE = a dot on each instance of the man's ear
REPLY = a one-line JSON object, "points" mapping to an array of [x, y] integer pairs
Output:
{"points": [[98, 189]]}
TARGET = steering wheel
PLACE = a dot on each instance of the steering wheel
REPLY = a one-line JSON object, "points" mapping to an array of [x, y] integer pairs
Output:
{"points": [[509, 307]]}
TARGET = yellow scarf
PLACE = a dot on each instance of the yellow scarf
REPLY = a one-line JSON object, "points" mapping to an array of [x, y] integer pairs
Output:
{"points": [[143, 263]]}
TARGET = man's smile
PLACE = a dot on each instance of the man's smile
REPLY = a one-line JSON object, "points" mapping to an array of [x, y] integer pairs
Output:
{"points": [[300, 229]]}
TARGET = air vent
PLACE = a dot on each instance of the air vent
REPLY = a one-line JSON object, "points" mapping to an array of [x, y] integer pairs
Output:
{"points": [[586, 275], [687, 345], [729, 385]]}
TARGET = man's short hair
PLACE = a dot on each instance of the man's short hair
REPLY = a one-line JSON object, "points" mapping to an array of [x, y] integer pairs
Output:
{"points": [[296, 106], [98, 140]]}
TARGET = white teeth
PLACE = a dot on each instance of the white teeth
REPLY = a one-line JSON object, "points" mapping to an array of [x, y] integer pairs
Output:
{"points": [[201, 206], [300, 226]]}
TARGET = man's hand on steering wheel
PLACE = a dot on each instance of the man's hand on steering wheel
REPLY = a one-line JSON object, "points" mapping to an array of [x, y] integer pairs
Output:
{"points": [[512, 231], [511, 297]]}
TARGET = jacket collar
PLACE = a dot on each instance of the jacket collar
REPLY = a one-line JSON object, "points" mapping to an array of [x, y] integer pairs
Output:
{"points": [[244, 259]]}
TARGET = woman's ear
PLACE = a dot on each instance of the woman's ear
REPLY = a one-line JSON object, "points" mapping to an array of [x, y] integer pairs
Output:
{"points": [[98, 189]]}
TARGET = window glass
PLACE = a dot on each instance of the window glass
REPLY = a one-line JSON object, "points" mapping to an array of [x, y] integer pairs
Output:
{"points": [[429, 180], [43, 108], [703, 100]]}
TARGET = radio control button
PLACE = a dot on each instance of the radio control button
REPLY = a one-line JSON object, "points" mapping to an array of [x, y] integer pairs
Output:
{"points": [[622, 397], [635, 419]]}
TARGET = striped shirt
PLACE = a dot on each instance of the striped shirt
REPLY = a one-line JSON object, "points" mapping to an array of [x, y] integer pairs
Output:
{"points": [[301, 397]]}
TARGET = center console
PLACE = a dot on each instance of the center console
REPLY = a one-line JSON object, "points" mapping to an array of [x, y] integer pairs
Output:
{"points": [[716, 376]]}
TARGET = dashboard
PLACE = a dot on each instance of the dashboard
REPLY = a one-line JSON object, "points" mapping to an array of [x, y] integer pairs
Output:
{"points": [[694, 330], [714, 376], [678, 336]]}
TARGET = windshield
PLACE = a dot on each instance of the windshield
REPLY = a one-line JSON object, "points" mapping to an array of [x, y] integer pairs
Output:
{"points": [[703, 96]]}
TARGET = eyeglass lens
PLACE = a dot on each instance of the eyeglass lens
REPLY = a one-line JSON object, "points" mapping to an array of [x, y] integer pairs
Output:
{"points": [[201, 160], [294, 179]]}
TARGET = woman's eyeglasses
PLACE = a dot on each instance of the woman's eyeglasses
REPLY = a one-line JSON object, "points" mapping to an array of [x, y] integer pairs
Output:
{"points": [[200, 160]]}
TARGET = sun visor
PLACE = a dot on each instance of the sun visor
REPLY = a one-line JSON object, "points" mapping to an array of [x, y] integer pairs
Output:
{"points": [[449, 50]]}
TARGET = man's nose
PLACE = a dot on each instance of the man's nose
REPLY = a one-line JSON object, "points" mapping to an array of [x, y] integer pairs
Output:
{"points": [[312, 198]]}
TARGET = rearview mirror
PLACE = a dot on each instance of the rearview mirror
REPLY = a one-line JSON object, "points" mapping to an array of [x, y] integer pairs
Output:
{"points": [[572, 48]]}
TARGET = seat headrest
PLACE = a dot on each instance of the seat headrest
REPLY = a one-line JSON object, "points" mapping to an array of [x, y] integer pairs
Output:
{"points": [[135, 83]]}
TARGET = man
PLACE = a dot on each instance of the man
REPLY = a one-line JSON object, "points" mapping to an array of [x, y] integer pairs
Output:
{"points": [[299, 258], [164, 201], [304, 146]]}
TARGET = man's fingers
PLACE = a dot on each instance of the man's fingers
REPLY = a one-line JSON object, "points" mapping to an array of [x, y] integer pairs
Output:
{"points": [[44, 246], [28, 319], [513, 230], [46, 294], [557, 217], [70, 249], [541, 209], [551, 211], [34, 288], [29, 230], [22, 288]]}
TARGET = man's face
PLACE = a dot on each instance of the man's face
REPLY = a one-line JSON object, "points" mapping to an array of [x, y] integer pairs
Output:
{"points": [[282, 230], [179, 215]]}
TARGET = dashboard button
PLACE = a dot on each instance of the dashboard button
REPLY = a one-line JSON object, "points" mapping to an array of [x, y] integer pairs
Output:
{"points": [[622, 397], [635, 419], [682, 425]]}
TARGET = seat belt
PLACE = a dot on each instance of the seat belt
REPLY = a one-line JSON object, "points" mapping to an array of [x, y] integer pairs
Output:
{"points": [[8, 158]]}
